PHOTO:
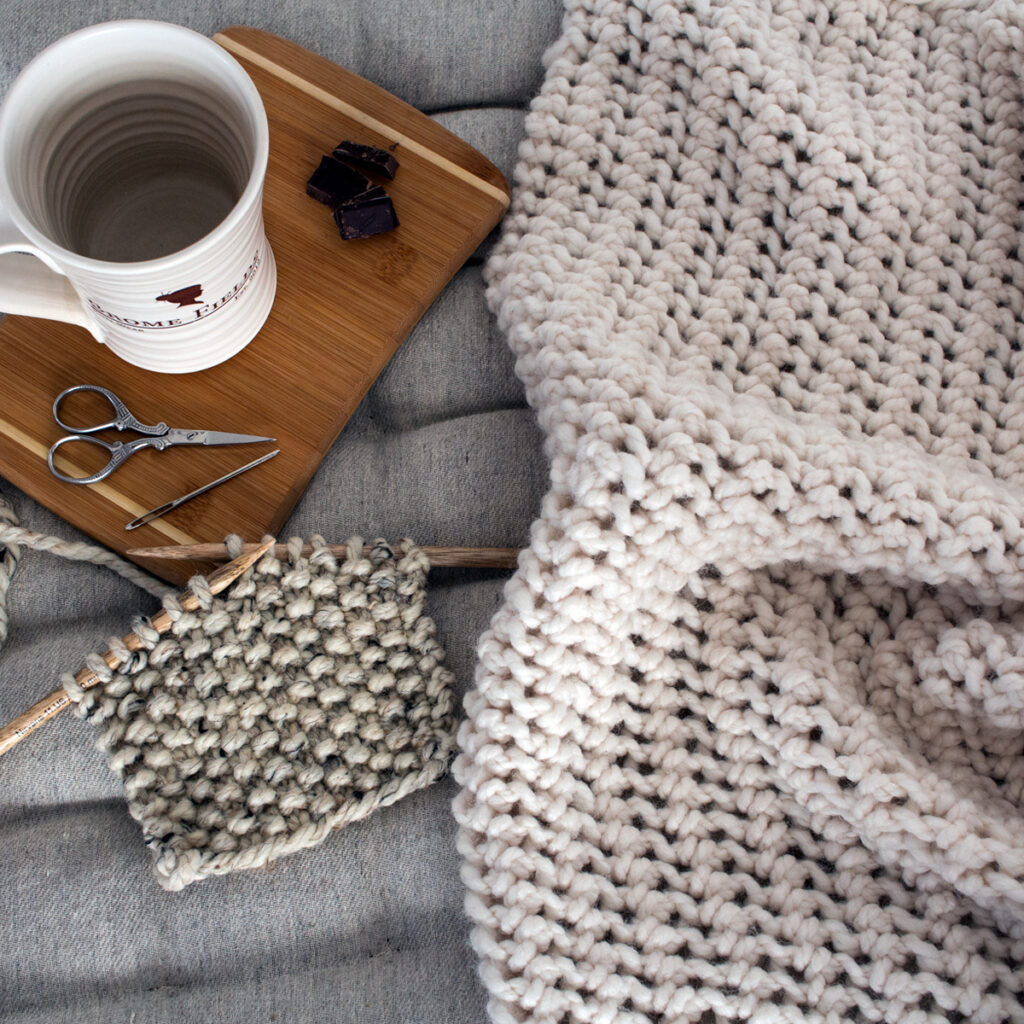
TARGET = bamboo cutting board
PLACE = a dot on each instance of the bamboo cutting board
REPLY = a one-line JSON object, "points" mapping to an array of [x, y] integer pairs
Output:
{"points": [[341, 311]]}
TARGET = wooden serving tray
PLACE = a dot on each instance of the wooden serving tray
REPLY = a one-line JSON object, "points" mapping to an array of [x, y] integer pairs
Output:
{"points": [[341, 311]]}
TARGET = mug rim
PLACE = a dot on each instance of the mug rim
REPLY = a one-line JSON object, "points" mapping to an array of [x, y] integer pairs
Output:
{"points": [[250, 194]]}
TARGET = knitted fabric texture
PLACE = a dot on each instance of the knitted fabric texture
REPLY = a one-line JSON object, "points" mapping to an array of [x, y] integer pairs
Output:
{"points": [[310, 694], [746, 738]]}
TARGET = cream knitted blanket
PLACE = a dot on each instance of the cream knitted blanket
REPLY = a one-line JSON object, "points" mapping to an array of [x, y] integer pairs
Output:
{"points": [[746, 742]]}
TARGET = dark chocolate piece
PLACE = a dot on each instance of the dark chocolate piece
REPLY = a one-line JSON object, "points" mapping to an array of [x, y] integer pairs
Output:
{"points": [[367, 158], [333, 182], [370, 213]]}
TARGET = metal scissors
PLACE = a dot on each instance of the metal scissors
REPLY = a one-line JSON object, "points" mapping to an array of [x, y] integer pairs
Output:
{"points": [[159, 436]]}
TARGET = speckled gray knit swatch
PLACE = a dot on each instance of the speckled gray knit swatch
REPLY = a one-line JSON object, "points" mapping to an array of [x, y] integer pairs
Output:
{"points": [[308, 695]]}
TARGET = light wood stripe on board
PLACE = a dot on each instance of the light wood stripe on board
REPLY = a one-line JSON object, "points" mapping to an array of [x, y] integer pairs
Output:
{"points": [[361, 116]]}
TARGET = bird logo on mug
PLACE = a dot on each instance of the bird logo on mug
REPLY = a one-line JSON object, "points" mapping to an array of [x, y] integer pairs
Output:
{"points": [[183, 296]]}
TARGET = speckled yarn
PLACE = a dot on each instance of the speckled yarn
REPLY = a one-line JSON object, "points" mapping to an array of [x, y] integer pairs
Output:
{"points": [[746, 742], [310, 694]]}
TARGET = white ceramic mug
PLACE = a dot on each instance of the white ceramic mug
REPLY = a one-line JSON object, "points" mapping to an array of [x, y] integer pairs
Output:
{"points": [[132, 159]]}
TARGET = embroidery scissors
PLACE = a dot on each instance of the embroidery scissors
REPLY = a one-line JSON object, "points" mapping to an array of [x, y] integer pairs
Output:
{"points": [[159, 436]]}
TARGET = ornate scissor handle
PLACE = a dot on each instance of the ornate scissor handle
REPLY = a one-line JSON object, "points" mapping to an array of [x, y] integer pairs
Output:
{"points": [[119, 452], [123, 419]]}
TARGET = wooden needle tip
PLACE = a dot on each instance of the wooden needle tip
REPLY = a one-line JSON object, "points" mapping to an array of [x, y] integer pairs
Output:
{"points": [[227, 574]]}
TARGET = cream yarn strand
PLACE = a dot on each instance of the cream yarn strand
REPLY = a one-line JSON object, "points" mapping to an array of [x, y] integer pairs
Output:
{"points": [[13, 538]]}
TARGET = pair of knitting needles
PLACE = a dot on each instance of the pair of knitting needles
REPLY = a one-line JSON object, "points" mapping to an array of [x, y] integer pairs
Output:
{"points": [[28, 721]]}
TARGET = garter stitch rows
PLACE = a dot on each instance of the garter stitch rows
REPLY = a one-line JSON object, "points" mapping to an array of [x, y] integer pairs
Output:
{"points": [[746, 742], [308, 695]]}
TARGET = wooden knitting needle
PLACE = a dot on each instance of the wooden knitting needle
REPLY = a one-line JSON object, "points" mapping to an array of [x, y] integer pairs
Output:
{"points": [[14, 732], [468, 558]]}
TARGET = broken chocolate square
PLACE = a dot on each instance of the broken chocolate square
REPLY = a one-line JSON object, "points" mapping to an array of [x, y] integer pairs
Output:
{"points": [[367, 158], [334, 182], [370, 213]]}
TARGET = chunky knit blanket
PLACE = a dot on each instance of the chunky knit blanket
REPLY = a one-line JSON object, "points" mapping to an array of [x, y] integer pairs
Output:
{"points": [[746, 741]]}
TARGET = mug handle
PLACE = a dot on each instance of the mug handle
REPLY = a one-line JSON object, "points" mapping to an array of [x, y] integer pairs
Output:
{"points": [[31, 284]]}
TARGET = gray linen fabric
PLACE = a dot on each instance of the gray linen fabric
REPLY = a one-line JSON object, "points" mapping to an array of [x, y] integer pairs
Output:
{"points": [[369, 926]]}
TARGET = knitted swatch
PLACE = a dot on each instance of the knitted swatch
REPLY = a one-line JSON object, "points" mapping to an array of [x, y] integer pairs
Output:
{"points": [[306, 696], [747, 742]]}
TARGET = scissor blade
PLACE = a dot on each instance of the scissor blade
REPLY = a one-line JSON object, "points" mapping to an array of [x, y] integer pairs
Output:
{"points": [[213, 437], [219, 437]]}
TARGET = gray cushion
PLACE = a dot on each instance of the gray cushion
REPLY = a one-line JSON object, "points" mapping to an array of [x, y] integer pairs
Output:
{"points": [[369, 926]]}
